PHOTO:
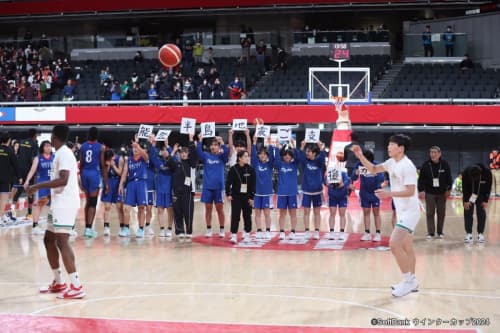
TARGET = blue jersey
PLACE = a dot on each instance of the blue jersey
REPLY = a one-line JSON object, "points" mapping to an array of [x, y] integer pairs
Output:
{"points": [[91, 155], [111, 172], [263, 173], [213, 167], [336, 191], [164, 173], [44, 167], [368, 181], [312, 172], [287, 174], [137, 169]]}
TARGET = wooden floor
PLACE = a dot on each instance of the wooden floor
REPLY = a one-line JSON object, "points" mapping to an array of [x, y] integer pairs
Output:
{"points": [[160, 279]]}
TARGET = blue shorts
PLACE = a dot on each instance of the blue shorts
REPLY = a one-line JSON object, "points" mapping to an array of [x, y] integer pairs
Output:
{"points": [[164, 199], [112, 196], [368, 200], [287, 201], [262, 202], [211, 196], [315, 199], [43, 193], [91, 180], [151, 198], [136, 193], [341, 202]]}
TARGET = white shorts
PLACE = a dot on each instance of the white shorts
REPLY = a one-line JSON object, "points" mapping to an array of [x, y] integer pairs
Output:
{"points": [[61, 220], [408, 220]]}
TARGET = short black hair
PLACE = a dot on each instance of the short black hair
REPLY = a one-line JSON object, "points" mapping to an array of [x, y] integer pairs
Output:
{"points": [[32, 132], [61, 132], [313, 148], [240, 143], [287, 151], [369, 155], [4, 137], [240, 154], [401, 140], [93, 133], [263, 150], [354, 136]]}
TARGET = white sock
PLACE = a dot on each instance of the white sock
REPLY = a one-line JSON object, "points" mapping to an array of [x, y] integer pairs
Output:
{"points": [[75, 280], [12, 206], [407, 276], [58, 275]]}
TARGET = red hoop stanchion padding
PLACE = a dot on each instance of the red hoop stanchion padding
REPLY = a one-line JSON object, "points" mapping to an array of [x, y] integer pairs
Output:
{"points": [[169, 55]]}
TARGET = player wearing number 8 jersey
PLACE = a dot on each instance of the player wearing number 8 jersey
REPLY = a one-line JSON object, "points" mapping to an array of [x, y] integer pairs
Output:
{"points": [[91, 164]]}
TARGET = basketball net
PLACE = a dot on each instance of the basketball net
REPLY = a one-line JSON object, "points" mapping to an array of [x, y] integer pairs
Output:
{"points": [[338, 101], [341, 132]]}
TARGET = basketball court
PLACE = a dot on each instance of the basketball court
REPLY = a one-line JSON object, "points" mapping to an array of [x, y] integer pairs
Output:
{"points": [[210, 285]]}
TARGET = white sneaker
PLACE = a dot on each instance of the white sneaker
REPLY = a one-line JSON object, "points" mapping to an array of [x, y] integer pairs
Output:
{"points": [[222, 234], [307, 235], [73, 233], [291, 235], [163, 233], [149, 231], [168, 233], [246, 237], [468, 239], [316, 235], [441, 236], [234, 239], [480, 238], [429, 237], [331, 235], [366, 237], [398, 285], [268, 235], [405, 288], [106, 232], [377, 237], [342, 236], [259, 235], [188, 238], [209, 233], [37, 231], [181, 236], [282, 236]]}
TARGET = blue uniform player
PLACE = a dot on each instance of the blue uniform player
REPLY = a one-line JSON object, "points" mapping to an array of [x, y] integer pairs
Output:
{"points": [[41, 166], [263, 161], [286, 162], [213, 180], [338, 194], [114, 165], [312, 163], [91, 164], [135, 174], [369, 183]]}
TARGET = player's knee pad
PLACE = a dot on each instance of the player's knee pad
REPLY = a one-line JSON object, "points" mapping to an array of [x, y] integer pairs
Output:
{"points": [[92, 202]]}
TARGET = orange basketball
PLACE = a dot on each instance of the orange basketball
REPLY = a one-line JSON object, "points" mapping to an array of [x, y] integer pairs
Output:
{"points": [[258, 121], [169, 55], [340, 156]]}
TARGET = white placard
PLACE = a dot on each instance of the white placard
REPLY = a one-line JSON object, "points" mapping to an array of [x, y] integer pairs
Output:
{"points": [[262, 131], [207, 130], [145, 131], [312, 135], [284, 133], [334, 175], [162, 135], [239, 124], [188, 125]]}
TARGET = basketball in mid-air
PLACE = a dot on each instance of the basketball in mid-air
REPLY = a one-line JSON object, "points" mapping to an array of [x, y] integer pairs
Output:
{"points": [[258, 121], [170, 55], [340, 156]]}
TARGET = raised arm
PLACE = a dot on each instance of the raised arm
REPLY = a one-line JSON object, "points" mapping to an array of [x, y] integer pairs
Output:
{"points": [[358, 152]]}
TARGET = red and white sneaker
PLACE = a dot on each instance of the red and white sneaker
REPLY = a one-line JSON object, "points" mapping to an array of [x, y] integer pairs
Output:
{"points": [[72, 292], [54, 288]]}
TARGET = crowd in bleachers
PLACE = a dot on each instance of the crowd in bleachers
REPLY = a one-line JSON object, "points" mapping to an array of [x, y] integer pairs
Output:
{"points": [[33, 74]]}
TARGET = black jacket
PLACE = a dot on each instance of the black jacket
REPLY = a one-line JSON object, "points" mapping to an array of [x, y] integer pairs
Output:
{"points": [[8, 165], [430, 170], [238, 175], [182, 169], [480, 186], [28, 150]]}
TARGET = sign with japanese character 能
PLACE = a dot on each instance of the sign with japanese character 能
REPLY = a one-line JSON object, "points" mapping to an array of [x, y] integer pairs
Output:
{"points": [[188, 125], [207, 130], [145, 131]]}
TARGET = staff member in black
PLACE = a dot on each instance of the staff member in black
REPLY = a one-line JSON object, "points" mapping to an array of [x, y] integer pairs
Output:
{"points": [[10, 170], [434, 183], [183, 189], [476, 186], [240, 191]]}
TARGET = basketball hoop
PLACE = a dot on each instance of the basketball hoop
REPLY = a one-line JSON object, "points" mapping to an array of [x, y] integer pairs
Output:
{"points": [[338, 101]]}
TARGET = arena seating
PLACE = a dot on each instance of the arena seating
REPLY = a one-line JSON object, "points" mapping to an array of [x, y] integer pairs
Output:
{"points": [[443, 81]]}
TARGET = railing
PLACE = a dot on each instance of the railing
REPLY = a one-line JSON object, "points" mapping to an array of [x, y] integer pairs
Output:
{"points": [[340, 36], [413, 45]]}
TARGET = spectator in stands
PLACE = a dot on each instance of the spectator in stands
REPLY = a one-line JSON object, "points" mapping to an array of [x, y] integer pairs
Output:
{"points": [[138, 58], [236, 89], [105, 92], [449, 41], [495, 172], [466, 63], [103, 76], [116, 91], [125, 87], [163, 89], [207, 59], [152, 94], [69, 91], [177, 91], [135, 92], [260, 56], [188, 89], [217, 89], [427, 41], [67, 69], [281, 64], [197, 52], [204, 90], [43, 90], [213, 75], [28, 93], [187, 57], [134, 78], [45, 56], [245, 50]]}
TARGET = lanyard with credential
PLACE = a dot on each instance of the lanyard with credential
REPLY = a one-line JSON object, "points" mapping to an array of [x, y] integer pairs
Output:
{"points": [[432, 171]]}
